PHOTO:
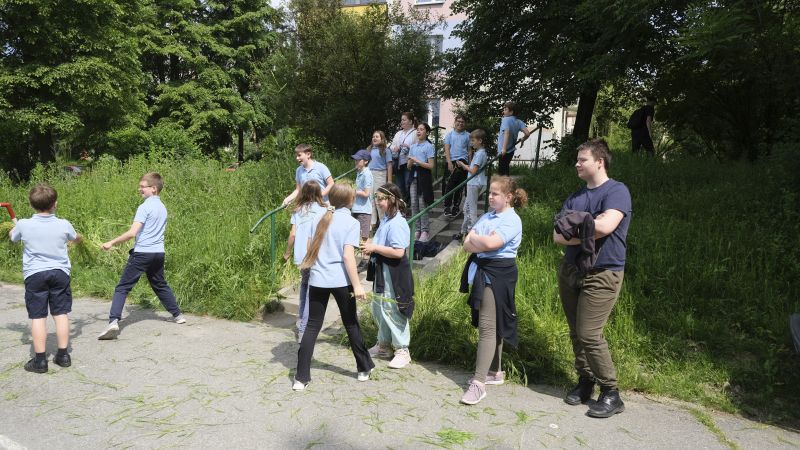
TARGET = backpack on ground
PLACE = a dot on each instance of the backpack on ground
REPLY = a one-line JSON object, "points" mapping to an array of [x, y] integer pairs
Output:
{"points": [[637, 119]]}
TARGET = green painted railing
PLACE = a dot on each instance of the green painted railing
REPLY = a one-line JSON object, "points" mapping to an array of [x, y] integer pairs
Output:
{"points": [[271, 216]]}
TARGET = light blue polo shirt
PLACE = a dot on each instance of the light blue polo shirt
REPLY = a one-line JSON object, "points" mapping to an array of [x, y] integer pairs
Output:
{"points": [[318, 172], [152, 214], [478, 160], [378, 162], [363, 205], [44, 238], [513, 125], [329, 271], [508, 226], [459, 144], [393, 232], [422, 151], [304, 220]]}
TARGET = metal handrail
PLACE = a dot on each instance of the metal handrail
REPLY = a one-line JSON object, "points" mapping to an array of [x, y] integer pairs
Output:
{"points": [[413, 219], [271, 215]]}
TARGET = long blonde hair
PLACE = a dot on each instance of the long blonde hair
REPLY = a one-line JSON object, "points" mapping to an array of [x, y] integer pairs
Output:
{"points": [[341, 195]]}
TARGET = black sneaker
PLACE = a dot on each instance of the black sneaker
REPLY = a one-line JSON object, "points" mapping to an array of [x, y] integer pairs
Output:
{"points": [[63, 360], [458, 236], [36, 366], [362, 266], [581, 393], [607, 404]]}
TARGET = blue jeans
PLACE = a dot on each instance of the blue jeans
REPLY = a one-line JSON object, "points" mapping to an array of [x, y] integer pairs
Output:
{"points": [[151, 264]]}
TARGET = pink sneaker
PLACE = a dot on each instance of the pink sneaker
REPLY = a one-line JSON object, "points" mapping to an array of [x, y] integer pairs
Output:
{"points": [[475, 393], [424, 236], [416, 236]]}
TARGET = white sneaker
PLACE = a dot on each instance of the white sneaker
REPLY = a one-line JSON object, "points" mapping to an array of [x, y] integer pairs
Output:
{"points": [[179, 319], [111, 331], [299, 385], [380, 351], [364, 376], [401, 358]]}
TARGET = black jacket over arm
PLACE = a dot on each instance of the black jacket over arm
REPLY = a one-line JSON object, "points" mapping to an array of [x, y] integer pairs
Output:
{"points": [[502, 273], [402, 280]]}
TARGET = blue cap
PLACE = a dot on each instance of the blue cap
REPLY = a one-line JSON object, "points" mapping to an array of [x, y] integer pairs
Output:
{"points": [[361, 154]]}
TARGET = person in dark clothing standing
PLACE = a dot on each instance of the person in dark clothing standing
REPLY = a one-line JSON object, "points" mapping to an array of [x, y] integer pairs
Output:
{"points": [[588, 297], [641, 125]]}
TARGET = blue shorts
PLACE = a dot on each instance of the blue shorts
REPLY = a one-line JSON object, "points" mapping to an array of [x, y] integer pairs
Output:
{"points": [[48, 288]]}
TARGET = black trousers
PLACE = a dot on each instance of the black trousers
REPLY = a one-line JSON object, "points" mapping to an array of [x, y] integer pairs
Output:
{"points": [[504, 164], [456, 176], [317, 304], [151, 264], [642, 139]]}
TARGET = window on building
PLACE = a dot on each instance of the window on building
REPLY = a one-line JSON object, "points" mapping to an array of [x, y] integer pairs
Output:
{"points": [[433, 112], [360, 2], [436, 41], [429, 2]]}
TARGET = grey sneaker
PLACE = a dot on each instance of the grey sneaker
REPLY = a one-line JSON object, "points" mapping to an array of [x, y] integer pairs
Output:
{"points": [[111, 331], [492, 378], [475, 393], [401, 358], [179, 319], [380, 351]]}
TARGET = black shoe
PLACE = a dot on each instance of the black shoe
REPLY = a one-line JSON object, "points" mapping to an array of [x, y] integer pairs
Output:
{"points": [[362, 266], [458, 236], [606, 405], [63, 360], [581, 393], [36, 366]]}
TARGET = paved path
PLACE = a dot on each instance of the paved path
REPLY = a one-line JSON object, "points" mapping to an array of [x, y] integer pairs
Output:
{"points": [[219, 384]]}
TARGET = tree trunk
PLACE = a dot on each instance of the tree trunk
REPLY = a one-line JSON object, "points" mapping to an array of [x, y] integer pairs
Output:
{"points": [[583, 118], [241, 145], [44, 146]]}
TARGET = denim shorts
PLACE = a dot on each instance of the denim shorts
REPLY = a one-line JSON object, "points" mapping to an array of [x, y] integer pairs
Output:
{"points": [[49, 288]]}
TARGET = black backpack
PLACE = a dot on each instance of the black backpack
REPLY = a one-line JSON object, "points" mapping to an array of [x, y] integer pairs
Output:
{"points": [[637, 119], [427, 248]]}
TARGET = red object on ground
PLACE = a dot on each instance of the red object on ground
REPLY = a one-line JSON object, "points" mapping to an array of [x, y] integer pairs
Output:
{"points": [[10, 210]]}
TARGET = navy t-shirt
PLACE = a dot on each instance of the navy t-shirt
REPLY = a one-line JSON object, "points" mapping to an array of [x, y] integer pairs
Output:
{"points": [[610, 195]]}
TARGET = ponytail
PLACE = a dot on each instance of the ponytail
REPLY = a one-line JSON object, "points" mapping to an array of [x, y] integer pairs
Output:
{"points": [[520, 198], [316, 241]]}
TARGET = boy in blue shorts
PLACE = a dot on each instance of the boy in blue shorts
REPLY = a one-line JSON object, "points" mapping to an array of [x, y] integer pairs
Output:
{"points": [[147, 255], [46, 269]]}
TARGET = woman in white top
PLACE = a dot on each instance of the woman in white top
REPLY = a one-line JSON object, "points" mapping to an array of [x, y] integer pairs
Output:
{"points": [[401, 145]]}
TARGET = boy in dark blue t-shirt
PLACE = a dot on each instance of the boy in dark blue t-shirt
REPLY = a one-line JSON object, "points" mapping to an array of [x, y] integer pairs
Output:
{"points": [[588, 298]]}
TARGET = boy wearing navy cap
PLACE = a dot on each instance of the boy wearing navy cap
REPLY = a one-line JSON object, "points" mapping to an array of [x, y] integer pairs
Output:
{"points": [[362, 206]]}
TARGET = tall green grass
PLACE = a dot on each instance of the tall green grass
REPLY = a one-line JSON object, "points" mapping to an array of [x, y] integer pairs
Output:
{"points": [[711, 278], [213, 262]]}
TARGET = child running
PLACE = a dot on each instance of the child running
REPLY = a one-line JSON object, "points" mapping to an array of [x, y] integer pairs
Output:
{"points": [[331, 258], [420, 175], [362, 207], [380, 164], [492, 272], [474, 184], [309, 208], [309, 169], [147, 255], [46, 269], [393, 284]]}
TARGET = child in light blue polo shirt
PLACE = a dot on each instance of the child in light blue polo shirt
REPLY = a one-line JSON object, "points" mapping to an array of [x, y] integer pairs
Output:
{"points": [[309, 169], [308, 210], [474, 184], [510, 128], [362, 206], [494, 241], [46, 269], [146, 257], [331, 258]]}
